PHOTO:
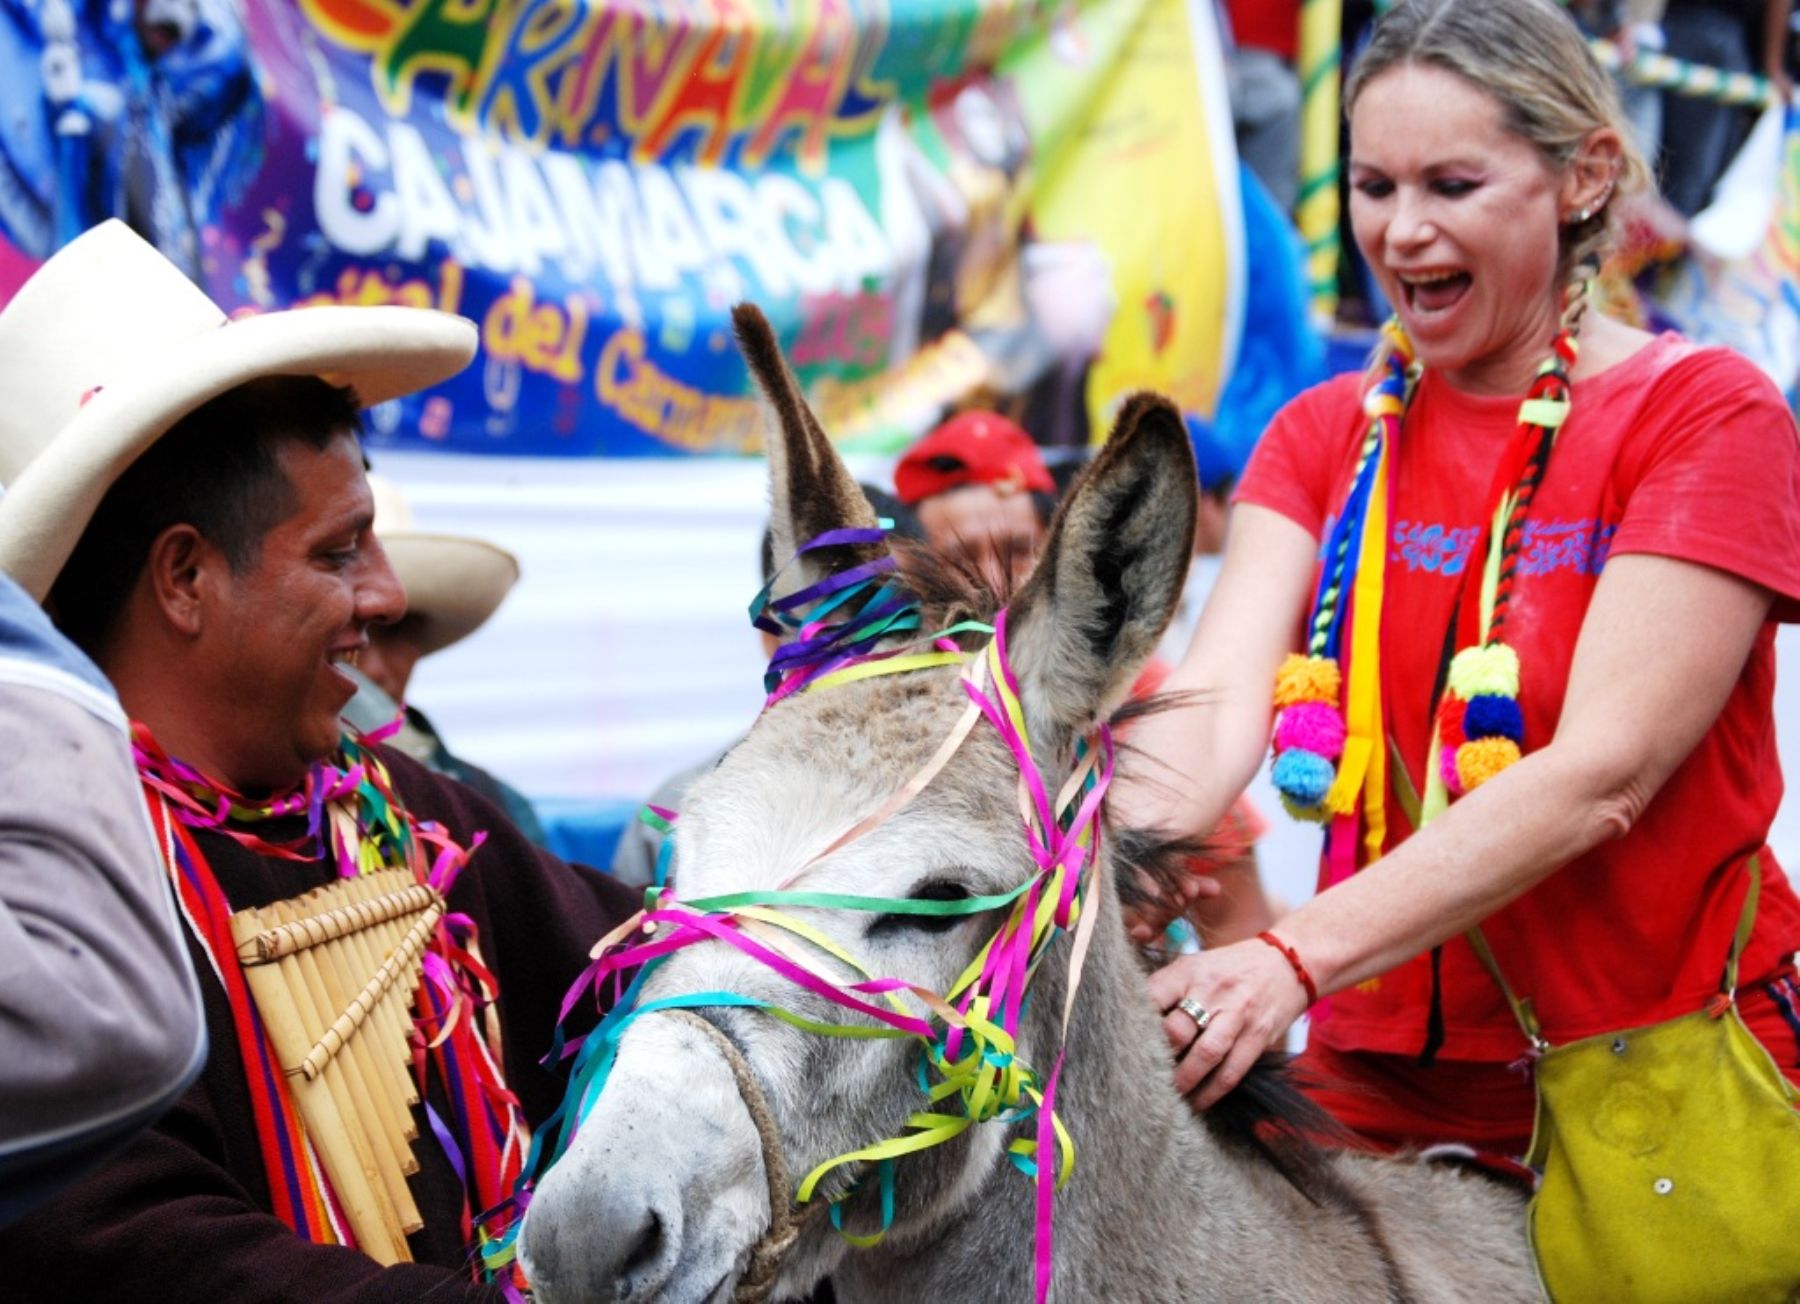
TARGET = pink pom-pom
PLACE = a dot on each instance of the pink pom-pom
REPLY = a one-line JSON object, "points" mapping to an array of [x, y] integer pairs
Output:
{"points": [[1311, 726], [1447, 768]]}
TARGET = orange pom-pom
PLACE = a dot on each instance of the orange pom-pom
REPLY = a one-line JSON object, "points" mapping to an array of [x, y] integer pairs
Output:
{"points": [[1307, 679], [1480, 760]]}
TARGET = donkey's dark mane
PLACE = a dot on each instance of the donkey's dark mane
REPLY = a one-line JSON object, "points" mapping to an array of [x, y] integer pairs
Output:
{"points": [[948, 589], [1267, 1114]]}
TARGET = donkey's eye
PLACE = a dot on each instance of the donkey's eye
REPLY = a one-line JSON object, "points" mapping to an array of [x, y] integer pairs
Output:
{"points": [[934, 889]]}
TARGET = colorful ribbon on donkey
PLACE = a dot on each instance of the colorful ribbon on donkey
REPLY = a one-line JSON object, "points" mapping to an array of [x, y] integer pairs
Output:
{"points": [[969, 1034]]}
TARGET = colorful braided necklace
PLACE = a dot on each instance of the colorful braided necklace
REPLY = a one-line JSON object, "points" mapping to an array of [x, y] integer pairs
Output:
{"points": [[1329, 747]]}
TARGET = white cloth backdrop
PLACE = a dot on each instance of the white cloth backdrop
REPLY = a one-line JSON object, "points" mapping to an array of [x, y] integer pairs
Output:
{"points": [[625, 652]]}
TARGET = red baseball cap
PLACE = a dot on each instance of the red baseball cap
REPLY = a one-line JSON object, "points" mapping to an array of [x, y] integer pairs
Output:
{"points": [[971, 448]]}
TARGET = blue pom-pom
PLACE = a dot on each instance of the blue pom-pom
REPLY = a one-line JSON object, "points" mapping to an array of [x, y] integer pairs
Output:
{"points": [[1302, 776], [1489, 716]]}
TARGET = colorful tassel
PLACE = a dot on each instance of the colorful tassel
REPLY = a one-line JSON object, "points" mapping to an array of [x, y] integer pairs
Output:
{"points": [[1447, 769], [1481, 759], [1480, 725], [1491, 669], [1309, 733], [1305, 678], [1492, 716], [1315, 727], [1303, 778]]}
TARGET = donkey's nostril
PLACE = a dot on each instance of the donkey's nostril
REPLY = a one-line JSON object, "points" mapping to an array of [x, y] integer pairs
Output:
{"points": [[646, 1248]]}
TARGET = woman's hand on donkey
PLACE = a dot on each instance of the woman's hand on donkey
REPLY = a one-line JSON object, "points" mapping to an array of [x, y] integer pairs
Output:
{"points": [[1222, 1009]]}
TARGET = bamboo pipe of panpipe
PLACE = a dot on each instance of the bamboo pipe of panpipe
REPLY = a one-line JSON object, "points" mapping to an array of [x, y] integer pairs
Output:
{"points": [[278, 990], [388, 1043], [332, 993], [346, 913], [379, 1124], [397, 969], [327, 915], [382, 940], [351, 1104], [332, 912], [336, 912], [395, 1023]]}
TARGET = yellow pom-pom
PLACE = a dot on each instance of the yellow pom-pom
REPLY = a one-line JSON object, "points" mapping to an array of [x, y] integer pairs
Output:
{"points": [[1307, 679], [1480, 760], [1493, 669]]}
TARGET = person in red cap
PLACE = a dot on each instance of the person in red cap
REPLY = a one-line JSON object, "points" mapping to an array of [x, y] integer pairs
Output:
{"points": [[982, 493]]}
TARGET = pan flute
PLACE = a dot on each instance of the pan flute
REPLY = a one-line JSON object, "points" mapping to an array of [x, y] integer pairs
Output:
{"points": [[333, 974]]}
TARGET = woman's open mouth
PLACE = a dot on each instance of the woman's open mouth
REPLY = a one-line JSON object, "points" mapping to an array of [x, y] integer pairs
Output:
{"points": [[1433, 292]]}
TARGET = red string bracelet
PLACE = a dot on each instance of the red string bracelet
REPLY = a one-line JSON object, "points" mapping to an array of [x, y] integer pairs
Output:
{"points": [[1292, 956]]}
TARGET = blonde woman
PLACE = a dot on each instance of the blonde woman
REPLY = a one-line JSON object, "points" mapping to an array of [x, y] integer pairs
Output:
{"points": [[1536, 576]]}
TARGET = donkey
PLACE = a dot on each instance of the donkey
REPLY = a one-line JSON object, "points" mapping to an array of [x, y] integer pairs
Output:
{"points": [[665, 1192]]}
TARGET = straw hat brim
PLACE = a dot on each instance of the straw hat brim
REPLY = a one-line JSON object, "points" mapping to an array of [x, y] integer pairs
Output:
{"points": [[379, 352], [453, 583]]}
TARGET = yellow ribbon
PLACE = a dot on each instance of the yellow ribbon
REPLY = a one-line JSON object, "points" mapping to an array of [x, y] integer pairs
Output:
{"points": [[1364, 762], [887, 666]]}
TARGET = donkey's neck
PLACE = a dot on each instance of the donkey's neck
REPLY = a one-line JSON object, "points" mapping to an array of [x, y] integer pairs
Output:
{"points": [[1157, 1209]]}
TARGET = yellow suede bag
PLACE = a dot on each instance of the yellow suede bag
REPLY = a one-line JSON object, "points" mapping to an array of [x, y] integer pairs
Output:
{"points": [[1670, 1157]]}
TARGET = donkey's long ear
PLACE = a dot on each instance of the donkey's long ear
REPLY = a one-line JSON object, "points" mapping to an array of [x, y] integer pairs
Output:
{"points": [[1083, 625], [810, 489]]}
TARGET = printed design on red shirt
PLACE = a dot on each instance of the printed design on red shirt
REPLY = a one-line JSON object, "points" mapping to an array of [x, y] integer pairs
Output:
{"points": [[1433, 546], [1579, 546], [1547, 546]]}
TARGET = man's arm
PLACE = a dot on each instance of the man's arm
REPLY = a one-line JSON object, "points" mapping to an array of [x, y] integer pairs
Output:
{"points": [[166, 1221]]}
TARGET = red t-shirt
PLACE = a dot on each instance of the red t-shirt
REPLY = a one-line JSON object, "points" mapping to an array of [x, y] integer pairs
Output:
{"points": [[1679, 451]]}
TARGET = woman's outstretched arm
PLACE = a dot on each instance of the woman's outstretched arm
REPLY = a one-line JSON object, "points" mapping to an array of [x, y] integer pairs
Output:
{"points": [[1661, 646]]}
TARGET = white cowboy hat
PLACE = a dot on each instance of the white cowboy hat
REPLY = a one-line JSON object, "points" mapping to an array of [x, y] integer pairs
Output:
{"points": [[453, 582], [109, 345]]}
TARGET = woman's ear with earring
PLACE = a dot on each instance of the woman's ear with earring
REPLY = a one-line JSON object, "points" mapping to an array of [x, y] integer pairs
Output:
{"points": [[1592, 174]]}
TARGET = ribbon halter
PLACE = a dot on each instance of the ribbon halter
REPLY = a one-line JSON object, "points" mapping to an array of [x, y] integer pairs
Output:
{"points": [[969, 1070]]}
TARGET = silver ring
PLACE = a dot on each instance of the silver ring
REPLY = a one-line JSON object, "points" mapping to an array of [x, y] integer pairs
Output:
{"points": [[1195, 1011]]}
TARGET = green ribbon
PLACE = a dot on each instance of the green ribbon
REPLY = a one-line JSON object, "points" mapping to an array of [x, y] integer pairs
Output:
{"points": [[837, 901]]}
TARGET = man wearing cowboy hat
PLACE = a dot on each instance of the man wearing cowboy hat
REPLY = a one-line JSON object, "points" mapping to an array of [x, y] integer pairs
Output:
{"points": [[453, 584], [188, 496]]}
